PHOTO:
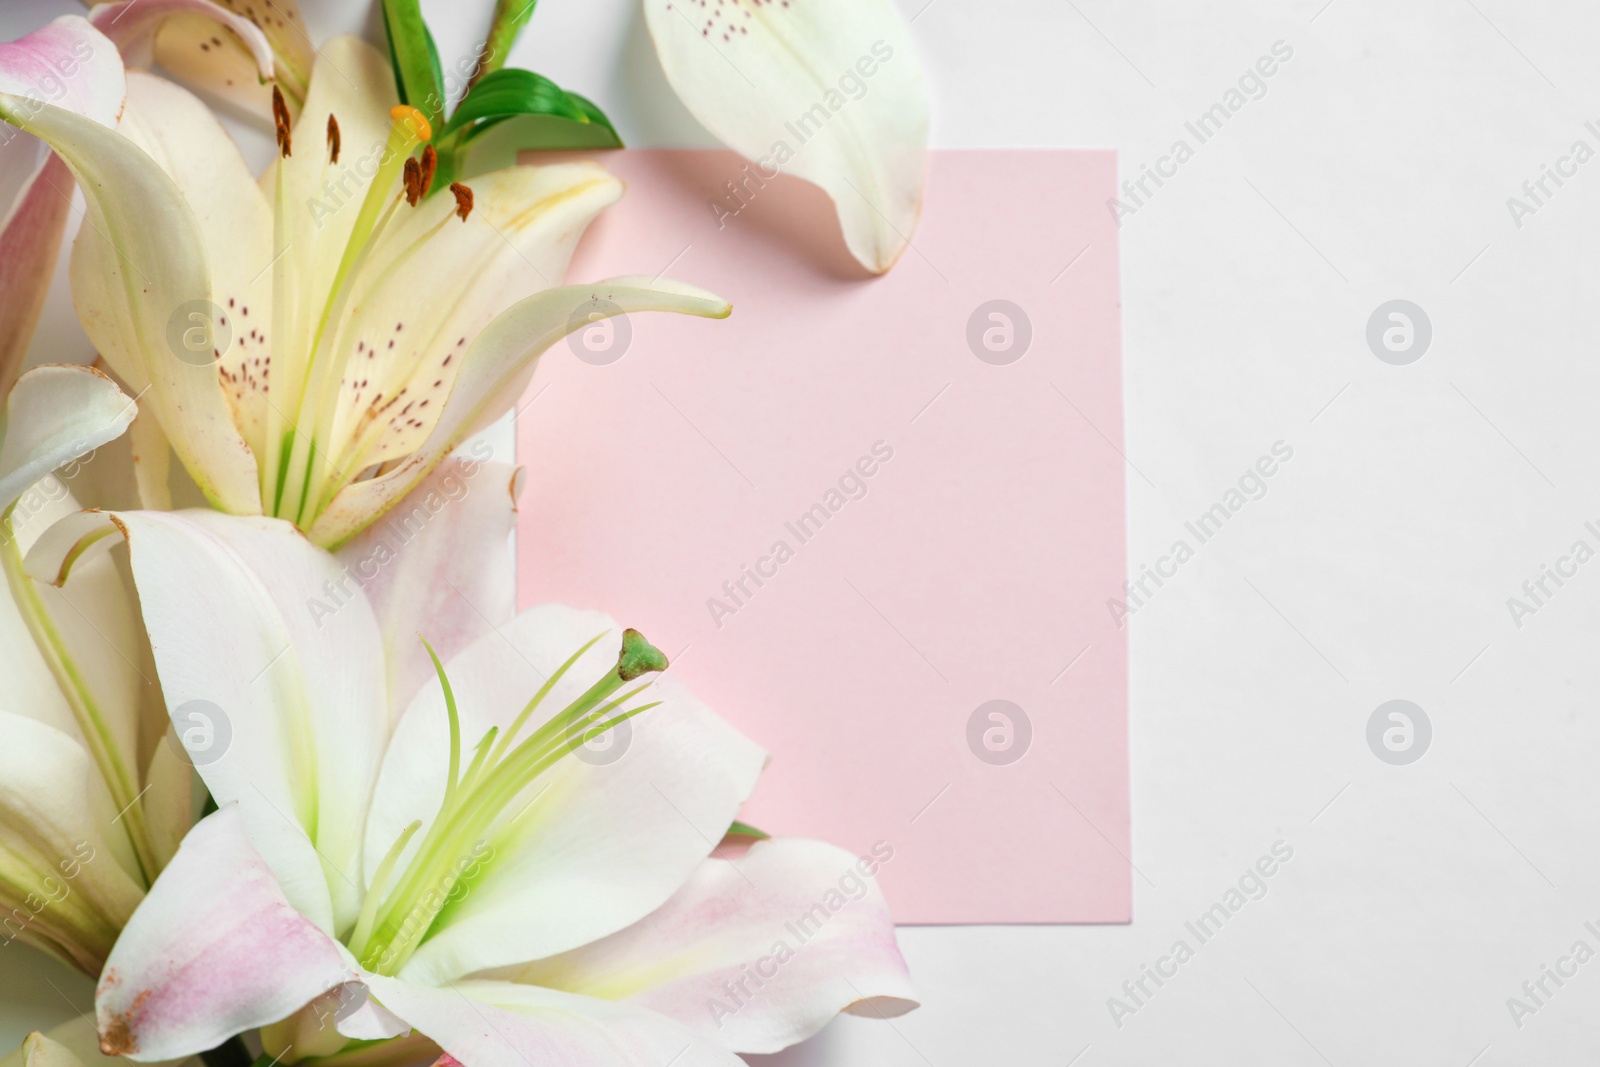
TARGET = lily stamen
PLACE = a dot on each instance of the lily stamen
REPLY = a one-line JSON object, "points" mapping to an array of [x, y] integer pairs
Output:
{"points": [[333, 139], [463, 196], [388, 933], [280, 120], [430, 164], [413, 180]]}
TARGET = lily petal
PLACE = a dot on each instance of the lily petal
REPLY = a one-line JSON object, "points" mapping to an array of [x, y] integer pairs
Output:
{"points": [[250, 629], [60, 887], [588, 849], [139, 265], [500, 1024], [54, 415], [215, 949], [187, 142], [29, 245], [40, 1051], [829, 90], [445, 280], [37, 66], [759, 950], [437, 566], [496, 371], [199, 42], [72, 65], [320, 201], [152, 462]]}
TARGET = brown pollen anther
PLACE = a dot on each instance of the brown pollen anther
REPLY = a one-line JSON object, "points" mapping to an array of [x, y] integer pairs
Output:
{"points": [[333, 138], [463, 199], [413, 181], [430, 164], [280, 119]]}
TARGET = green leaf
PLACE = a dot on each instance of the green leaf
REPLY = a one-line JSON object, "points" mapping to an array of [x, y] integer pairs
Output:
{"points": [[415, 58], [512, 93], [740, 829]]}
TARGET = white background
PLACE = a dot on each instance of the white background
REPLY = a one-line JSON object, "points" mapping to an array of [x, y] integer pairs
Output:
{"points": [[1419, 498]]}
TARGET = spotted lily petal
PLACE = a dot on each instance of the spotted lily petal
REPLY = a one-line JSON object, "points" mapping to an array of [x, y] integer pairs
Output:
{"points": [[496, 371], [829, 90], [226, 48], [143, 273]]}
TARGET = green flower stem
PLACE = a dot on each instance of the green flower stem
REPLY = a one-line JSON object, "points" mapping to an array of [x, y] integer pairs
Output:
{"points": [[121, 780], [510, 16]]}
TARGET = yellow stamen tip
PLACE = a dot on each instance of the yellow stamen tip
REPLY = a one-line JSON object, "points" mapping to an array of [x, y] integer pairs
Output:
{"points": [[413, 119]]}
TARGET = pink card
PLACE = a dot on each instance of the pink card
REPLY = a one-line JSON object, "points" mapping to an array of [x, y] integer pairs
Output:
{"points": [[878, 520]]}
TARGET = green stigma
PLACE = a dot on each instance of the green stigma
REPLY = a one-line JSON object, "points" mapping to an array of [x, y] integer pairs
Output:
{"points": [[638, 656]]}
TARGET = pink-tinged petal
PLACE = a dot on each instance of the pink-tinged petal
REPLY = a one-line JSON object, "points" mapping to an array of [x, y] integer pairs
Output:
{"points": [[760, 949], [214, 950], [29, 245], [69, 64], [501, 1024], [593, 844], [436, 567]]}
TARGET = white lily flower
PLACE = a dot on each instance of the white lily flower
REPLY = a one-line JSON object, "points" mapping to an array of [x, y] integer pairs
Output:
{"points": [[828, 90], [390, 858], [369, 336]]}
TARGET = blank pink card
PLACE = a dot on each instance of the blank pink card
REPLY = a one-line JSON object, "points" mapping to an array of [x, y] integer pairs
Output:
{"points": [[877, 520]]}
